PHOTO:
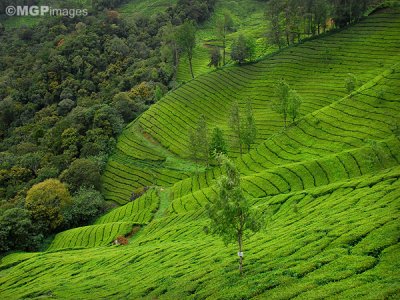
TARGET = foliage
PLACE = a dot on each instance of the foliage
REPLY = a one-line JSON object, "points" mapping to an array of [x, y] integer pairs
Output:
{"points": [[186, 40], [47, 201], [82, 172], [294, 103], [235, 125], [290, 19], [17, 232], [215, 57], [87, 205], [218, 143], [198, 141], [231, 215], [351, 82], [127, 107], [243, 49], [281, 104], [249, 129], [224, 25]]}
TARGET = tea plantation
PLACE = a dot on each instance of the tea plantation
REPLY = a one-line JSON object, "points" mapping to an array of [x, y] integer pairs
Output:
{"points": [[328, 187]]}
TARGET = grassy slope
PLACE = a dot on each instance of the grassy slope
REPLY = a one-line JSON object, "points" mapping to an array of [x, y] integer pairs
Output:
{"points": [[341, 242], [332, 225], [248, 18], [316, 69]]}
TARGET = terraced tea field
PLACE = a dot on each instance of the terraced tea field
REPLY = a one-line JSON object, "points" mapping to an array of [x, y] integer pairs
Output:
{"points": [[341, 242], [328, 187], [316, 69]]}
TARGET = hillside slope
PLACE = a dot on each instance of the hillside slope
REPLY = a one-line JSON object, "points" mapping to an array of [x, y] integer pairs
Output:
{"points": [[329, 188], [154, 148]]}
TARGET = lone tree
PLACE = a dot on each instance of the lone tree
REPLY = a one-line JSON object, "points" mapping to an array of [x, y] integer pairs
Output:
{"points": [[231, 215], [294, 104], [234, 123], [223, 26], [282, 90], [287, 101], [186, 38], [351, 82], [218, 144], [198, 140], [249, 130]]}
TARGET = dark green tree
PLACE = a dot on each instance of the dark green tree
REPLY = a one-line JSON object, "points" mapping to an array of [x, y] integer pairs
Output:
{"points": [[87, 204], [243, 49], [231, 215], [215, 58], [17, 232], [81, 173], [274, 16]]}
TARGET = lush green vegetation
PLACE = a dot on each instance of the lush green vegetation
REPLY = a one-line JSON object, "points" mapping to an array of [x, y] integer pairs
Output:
{"points": [[68, 86], [316, 70], [338, 242], [327, 186]]}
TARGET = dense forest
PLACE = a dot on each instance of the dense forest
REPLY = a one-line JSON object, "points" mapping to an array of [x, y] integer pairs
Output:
{"points": [[69, 85]]}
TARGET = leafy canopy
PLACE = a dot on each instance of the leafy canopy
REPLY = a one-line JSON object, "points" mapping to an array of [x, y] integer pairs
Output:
{"points": [[231, 215]]}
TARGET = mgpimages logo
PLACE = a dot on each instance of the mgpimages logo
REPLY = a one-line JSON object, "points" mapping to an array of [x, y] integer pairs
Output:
{"points": [[35, 11]]}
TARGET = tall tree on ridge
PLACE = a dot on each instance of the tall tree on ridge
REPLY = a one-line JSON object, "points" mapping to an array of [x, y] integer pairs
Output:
{"points": [[235, 124], [186, 38], [231, 215], [223, 25], [249, 130]]}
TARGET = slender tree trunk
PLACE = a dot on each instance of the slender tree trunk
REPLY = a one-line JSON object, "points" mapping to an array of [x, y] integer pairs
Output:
{"points": [[176, 62], [284, 119], [240, 252], [224, 46], [240, 143], [191, 67]]}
